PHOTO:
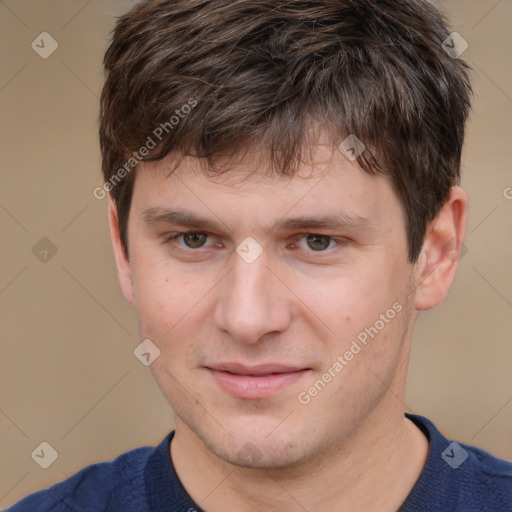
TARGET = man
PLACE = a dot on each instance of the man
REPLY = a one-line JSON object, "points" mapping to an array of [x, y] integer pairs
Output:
{"points": [[284, 197]]}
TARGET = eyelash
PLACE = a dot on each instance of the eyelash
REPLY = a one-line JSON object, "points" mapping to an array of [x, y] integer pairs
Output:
{"points": [[174, 236]]}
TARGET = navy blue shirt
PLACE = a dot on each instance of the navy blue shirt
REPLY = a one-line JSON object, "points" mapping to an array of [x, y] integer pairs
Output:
{"points": [[456, 477]]}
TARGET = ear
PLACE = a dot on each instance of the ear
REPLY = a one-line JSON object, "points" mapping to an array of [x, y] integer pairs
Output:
{"points": [[124, 271], [439, 258]]}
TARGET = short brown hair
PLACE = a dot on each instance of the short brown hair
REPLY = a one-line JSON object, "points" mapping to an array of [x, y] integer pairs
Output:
{"points": [[260, 70]]}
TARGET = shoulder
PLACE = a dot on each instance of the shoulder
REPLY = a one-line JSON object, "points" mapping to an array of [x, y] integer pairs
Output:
{"points": [[460, 477], [490, 474], [101, 486]]}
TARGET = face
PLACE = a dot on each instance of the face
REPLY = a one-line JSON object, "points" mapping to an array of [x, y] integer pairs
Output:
{"points": [[282, 308]]}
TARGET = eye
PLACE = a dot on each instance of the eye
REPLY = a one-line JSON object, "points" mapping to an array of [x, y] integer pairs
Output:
{"points": [[319, 243], [196, 240], [191, 239]]}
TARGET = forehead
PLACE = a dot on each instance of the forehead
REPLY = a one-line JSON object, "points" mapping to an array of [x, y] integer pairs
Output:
{"points": [[329, 185]]}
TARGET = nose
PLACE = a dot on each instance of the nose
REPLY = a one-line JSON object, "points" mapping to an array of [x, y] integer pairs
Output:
{"points": [[252, 301]]}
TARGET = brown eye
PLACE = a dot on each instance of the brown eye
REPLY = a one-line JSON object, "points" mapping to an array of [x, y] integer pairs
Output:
{"points": [[194, 240], [318, 242]]}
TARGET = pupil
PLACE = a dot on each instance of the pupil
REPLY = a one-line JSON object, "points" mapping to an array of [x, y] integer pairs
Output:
{"points": [[316, 238], [193, 238]]}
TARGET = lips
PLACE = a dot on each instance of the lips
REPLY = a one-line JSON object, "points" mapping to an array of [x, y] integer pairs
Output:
{"points": [[255, 382], [259, 370]]}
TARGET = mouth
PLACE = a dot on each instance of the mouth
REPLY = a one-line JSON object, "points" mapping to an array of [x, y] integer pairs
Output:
{"points": [[255, 382]]}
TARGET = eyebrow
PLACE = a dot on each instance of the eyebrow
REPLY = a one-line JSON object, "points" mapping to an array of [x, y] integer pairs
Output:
{"points": [[187, 218]]}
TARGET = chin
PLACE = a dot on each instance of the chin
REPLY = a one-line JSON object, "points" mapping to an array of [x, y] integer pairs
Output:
{"points": [[257, 443], [265, 454]]}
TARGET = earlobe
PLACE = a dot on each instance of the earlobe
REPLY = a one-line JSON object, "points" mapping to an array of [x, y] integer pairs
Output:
{"points": [[124, 271], [439, 258]]}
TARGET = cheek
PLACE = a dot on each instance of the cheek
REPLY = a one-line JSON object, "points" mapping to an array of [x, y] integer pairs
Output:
{"points": [[172, 308], [365, 314], [351, 301], [162, 297]]}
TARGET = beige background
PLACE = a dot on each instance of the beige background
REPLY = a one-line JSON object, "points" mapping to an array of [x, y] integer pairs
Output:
{"points": [[68, 375]]}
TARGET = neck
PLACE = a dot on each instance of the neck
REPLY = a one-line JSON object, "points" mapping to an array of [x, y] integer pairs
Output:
{"points": [[374, 468]]}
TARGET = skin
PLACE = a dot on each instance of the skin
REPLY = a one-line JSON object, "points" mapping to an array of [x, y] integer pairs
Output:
{"points": [[350, 447]]}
